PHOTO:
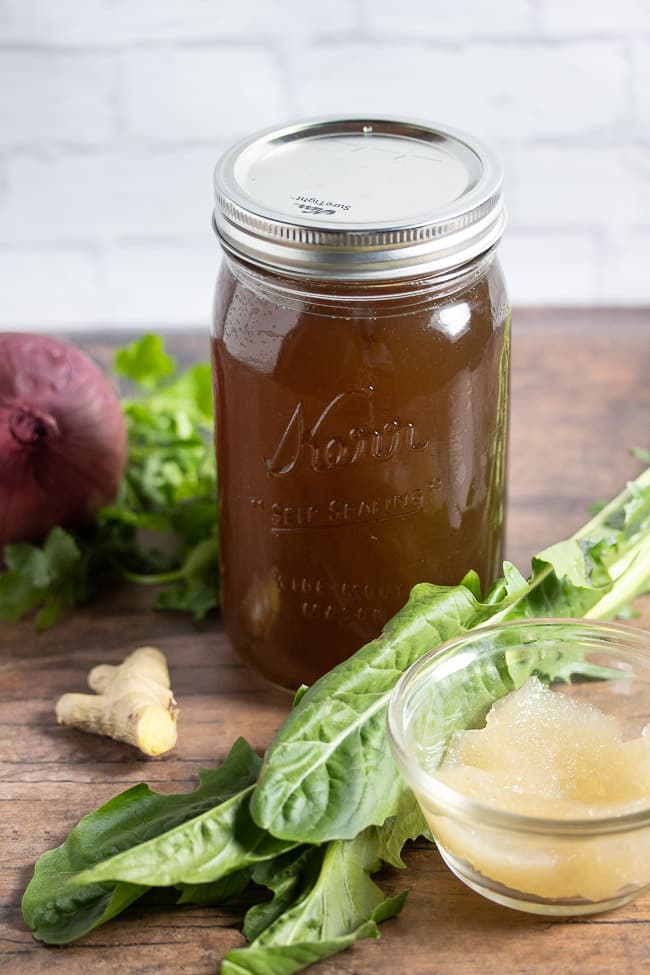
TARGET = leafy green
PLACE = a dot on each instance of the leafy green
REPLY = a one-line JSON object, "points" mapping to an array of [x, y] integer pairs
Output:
{"points": [[329, 768], [188, 596], [161, 529], [144, 362], [328, 807], [218, 891], [328, 774], [334, 904], [45, 577], [60, 905], [282, 875], [323, 899], [201, 850]]}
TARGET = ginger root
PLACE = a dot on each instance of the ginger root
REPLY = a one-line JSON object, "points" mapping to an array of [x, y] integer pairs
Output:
{"points": [[133, 702]]}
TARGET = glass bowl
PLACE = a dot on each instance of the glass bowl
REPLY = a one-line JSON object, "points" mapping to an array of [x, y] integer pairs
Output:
{"points": [[556, 865]]}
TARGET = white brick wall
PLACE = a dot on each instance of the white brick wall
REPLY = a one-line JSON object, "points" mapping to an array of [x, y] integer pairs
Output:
{"points": [[195, 94], [434, 20], [503, 91], [45, 96], [113, 112]]}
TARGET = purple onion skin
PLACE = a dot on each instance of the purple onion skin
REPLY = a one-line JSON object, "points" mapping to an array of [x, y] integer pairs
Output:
{"points": [[63, 441]]}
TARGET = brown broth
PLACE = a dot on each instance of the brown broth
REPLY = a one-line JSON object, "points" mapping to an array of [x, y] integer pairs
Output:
{"points": [[360, 450]]}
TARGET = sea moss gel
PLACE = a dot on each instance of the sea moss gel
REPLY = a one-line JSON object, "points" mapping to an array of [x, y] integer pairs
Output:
{"points": [[547, 755], [360, 348]]}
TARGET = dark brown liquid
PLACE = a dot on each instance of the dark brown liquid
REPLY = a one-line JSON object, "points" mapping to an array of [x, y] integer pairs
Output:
{"points": [[360, 450]]}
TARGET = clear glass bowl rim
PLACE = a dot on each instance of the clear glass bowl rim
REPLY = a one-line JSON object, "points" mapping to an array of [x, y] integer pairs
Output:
{"points": [[449, 801]]}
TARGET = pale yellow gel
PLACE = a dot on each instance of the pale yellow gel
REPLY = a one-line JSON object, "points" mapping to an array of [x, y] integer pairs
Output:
{"points": [[544, 754]]}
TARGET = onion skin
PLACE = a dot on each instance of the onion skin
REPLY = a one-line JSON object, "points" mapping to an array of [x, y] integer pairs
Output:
{"points": [[63, 439]]}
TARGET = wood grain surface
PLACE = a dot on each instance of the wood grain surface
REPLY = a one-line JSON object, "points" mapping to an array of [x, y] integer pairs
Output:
{"points": [[581, 398]]}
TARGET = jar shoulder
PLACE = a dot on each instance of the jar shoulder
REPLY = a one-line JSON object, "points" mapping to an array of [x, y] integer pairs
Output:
{"points": [[246, 300]]}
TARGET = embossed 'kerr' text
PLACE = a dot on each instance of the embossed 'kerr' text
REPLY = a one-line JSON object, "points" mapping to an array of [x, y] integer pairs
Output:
{"points": [[323, 449]]}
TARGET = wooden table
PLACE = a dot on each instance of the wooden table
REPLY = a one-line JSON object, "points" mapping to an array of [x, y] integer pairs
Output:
{"points": [[581, 398]]}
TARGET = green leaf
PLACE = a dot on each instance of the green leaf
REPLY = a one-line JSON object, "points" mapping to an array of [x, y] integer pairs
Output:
{"points": [[218, 892], [283, 959], [189, 395], [407, 824], [300, 693], [202, 849], [324, 901], [47, 576], [197, 588], [196, 521], [18, 596], [144, 361], [192, 596], [48, 564], [29, 562], [60, 905], [61, 551], [203, 558], [283, 876], [153, 521], [329, 772], [49, 613]]}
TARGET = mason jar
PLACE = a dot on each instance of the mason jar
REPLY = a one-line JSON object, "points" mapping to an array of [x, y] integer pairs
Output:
{"points": [[361, 360]]}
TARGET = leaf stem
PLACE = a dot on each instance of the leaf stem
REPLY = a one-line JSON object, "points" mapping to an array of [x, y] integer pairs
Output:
{"points": [[155, 579], [642, 481], [622, 593], [632, 579]]}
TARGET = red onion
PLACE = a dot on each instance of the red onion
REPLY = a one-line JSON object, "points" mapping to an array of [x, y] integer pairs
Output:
{"points": [[63, 439]]}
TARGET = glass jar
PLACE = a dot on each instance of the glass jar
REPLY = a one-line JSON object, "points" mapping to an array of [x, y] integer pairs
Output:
{"points": [[361, 352]]}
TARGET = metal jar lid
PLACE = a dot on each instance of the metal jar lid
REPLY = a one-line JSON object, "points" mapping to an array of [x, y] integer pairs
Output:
{"points": [[359, 198]]}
